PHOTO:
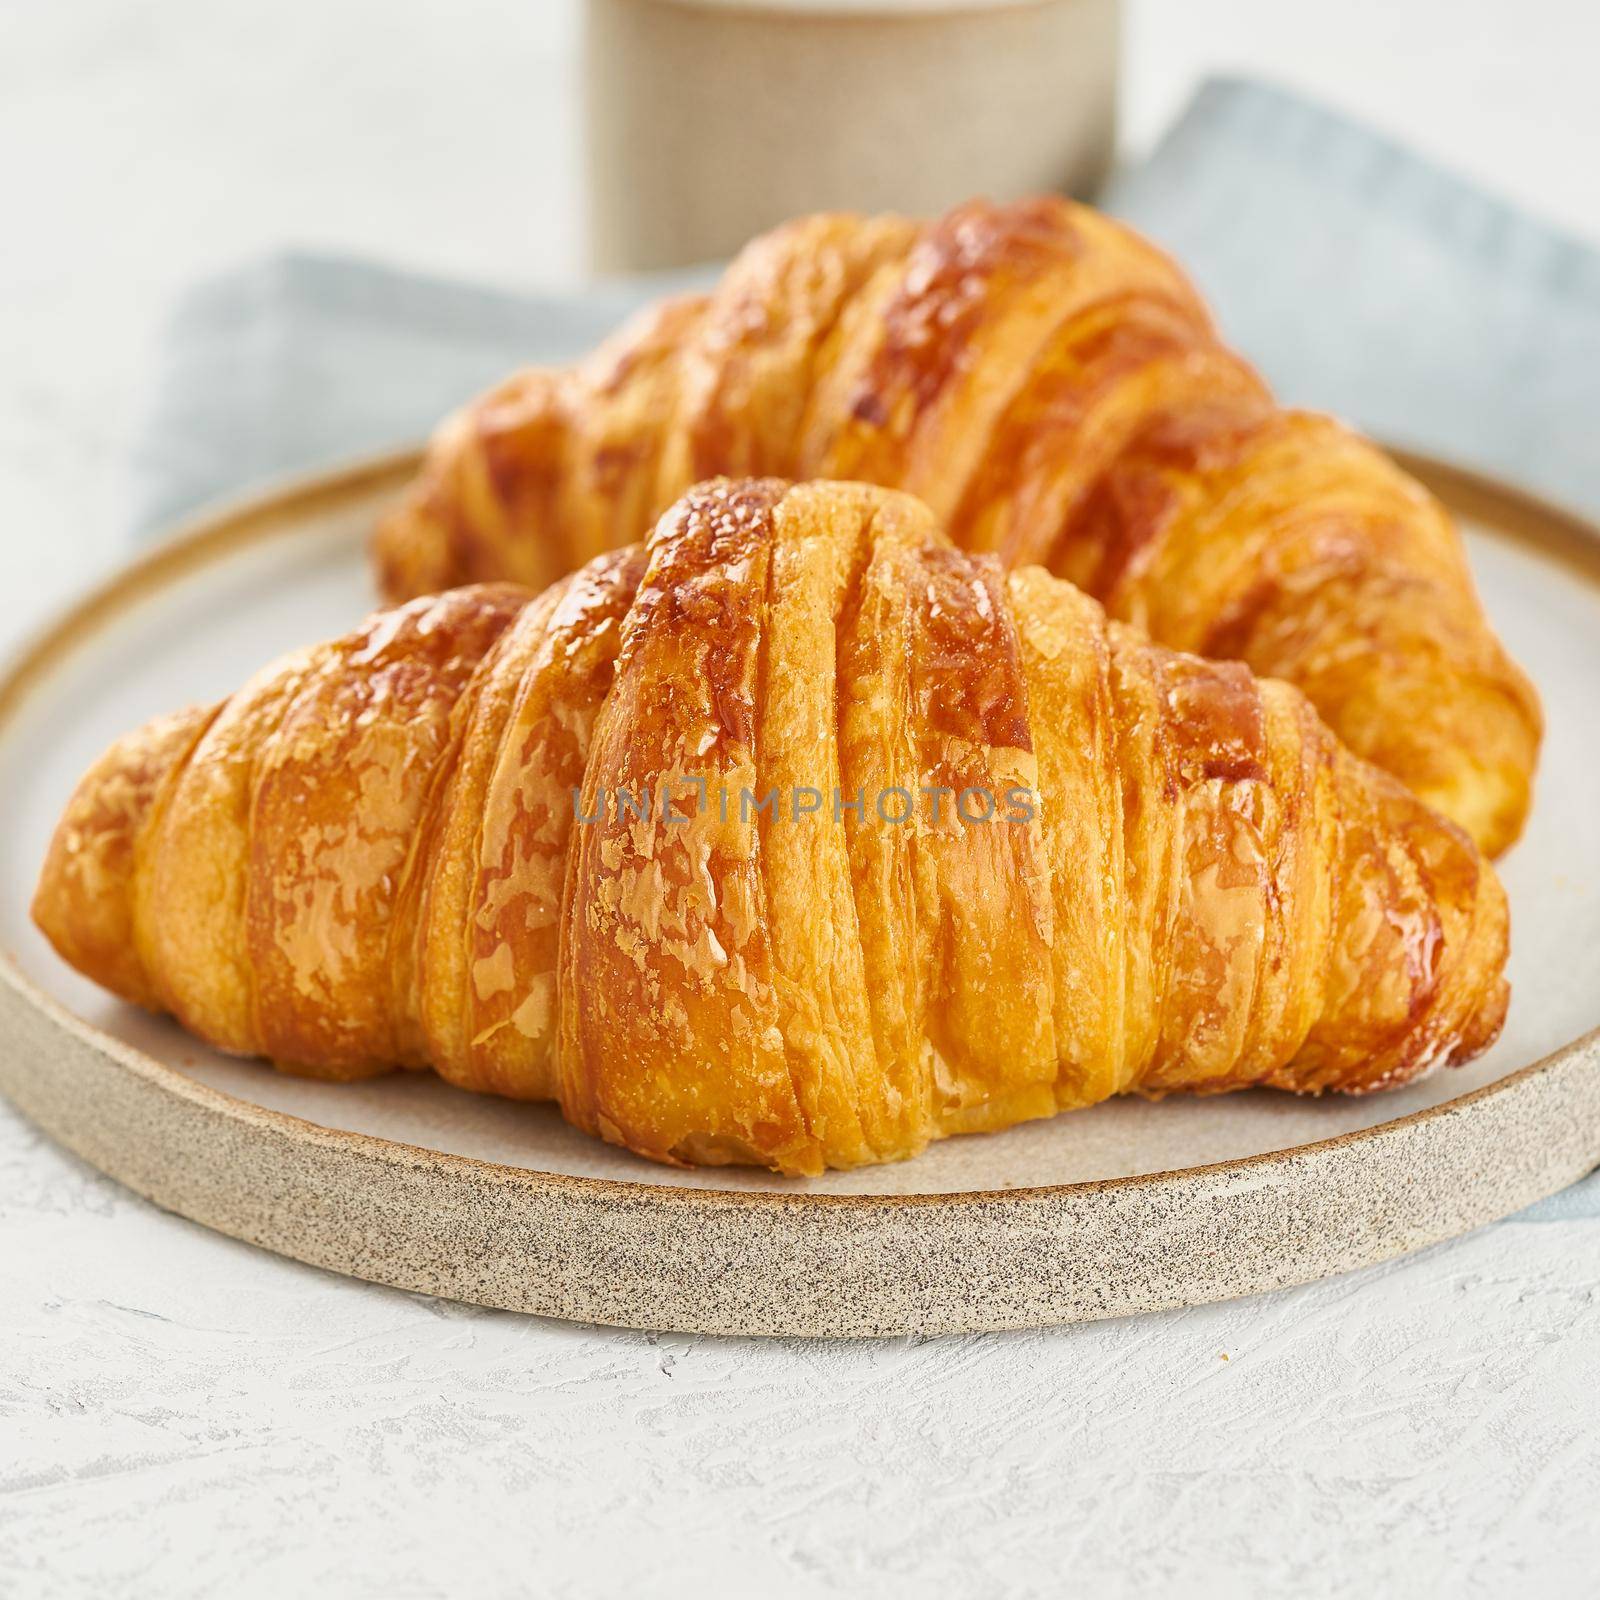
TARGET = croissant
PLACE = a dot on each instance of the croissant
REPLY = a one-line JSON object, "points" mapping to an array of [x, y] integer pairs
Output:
{"points": [[1053, 388], [797, 838]]}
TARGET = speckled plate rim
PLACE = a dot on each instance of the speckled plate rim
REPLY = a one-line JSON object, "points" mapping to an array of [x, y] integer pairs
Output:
{"points": [[758, 1262]]}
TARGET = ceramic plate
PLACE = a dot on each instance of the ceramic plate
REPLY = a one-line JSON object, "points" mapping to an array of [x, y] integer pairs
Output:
{"points": [[1125, 1207]]}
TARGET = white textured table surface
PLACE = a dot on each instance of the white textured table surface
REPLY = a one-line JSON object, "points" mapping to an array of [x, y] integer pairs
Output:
{"points": [[180, 1414]]}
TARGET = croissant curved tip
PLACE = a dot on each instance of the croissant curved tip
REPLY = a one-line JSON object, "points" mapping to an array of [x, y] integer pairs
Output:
{"points": [[409, 557], [84, 900]]}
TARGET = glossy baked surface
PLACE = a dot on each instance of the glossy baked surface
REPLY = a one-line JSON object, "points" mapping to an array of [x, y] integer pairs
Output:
{"points": [[1052, 386], [372, 855]]}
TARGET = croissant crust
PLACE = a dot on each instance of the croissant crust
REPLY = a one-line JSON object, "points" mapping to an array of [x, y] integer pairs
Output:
{"points": [[1053, 388], [1047, 861]]}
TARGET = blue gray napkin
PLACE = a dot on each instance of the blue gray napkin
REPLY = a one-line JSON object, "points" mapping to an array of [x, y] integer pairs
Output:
{"points": [[303, 360], [1365, 281], [1361, 279]]}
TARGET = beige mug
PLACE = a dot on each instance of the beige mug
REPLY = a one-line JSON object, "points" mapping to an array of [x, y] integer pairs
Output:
{"points": [[711, 120]]}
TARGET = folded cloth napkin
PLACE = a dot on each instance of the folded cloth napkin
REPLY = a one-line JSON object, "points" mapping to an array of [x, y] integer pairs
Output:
{"points": [[302, 360], [1365, 281], [1361, 279]]}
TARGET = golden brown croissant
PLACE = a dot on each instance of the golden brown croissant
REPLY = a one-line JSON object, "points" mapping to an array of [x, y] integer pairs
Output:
{"points": [[798, 838], [1052, 387]]}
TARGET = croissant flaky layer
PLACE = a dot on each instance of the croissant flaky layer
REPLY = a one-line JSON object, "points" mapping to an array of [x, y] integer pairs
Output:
{"points": [[1053, 388], [797, 837]]}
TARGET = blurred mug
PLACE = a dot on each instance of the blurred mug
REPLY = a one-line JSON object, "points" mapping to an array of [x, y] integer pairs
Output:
{"points": [[712, 120]]}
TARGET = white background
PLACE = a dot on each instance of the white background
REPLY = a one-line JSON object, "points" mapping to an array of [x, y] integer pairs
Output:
{"points": [[179, 1413]]}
